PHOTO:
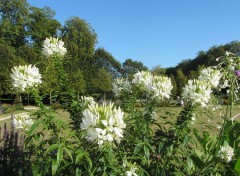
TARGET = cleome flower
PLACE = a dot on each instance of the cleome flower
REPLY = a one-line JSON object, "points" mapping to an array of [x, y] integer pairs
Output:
{"points": [[158, 87], [103, 123], [226, 153], [121, 85], [131, 172], [87, 101], [197, 92], [25, 77], [130, 169], [53, 46], [22, 121], [143, 79], [161, 87], [210, 75]]}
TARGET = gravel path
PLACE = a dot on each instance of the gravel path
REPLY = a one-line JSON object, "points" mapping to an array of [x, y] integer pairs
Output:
{"points": [[26, 108]]}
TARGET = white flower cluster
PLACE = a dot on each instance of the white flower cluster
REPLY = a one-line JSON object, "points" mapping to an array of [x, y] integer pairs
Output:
{"points": [[197, 92], [161, 87], [103, 123], [211, 76], [121, 85], [53, 46], [158, 87], [143, 78], [22, 121], [132, 171], [226, 153], [25, 77], [87, 101]]}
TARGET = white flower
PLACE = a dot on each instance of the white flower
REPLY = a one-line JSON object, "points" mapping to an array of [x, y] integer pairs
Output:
{"points": [[226, 153], [193, 118], [143, 78], [121, 85], [53, 46], [87, 100], [210, 75], [132, 171], [161, 87], [22, 121], [103, 123], [197, 92], [25, 77], [158, 87]]}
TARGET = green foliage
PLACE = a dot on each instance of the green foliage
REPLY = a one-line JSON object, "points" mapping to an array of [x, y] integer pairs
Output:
{"points": [[181, 80], [13, 21], [8, 60], [42, 25], [80, 39], [131, 67]]}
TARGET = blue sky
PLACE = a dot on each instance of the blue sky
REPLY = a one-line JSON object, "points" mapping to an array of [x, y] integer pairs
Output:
{"points": [[155, 32]]}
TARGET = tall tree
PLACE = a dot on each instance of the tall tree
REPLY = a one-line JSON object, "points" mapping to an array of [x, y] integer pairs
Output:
{"points": [[158, 70], [181, 80], [77, 82], [14, 18], [130, 67], [80, 40], [102, 82], [42, 24], [103, 59], [8, 60]]}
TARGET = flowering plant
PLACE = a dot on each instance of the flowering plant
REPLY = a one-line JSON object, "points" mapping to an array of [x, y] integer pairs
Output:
{"points": [[22, 121], [99, 138], [25, 77], [103, 123], [53, 46]]}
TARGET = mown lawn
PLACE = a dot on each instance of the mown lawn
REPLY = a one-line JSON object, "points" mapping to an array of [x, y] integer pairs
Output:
{"points": [[204, 121]]}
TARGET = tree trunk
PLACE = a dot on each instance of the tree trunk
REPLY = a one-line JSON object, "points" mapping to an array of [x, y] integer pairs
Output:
{"points": [[50, 97]]}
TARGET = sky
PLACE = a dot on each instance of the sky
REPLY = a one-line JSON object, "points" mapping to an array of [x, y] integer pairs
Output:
{"points": [[155, 32]]}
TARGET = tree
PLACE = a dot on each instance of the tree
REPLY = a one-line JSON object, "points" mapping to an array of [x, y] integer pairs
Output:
{"points": [[14, 18], [42, 25], [80, 40], [103, 82], [181, 80], [131, 67], [174, 84], [8, 60], [158, 70], [103, 59], [77, 82]]}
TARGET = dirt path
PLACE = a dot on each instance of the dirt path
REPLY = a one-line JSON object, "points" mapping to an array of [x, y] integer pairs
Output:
{"points": [[26, 108]]}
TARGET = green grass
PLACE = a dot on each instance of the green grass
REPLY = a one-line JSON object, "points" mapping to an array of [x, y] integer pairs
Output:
{"points": [[204, 121]]}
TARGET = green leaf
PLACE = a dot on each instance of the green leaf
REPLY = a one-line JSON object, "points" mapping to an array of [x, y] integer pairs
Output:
{"points": [[237, 166], [79, 157], [68, 152], [59, 154], [33, 127], [54, 167], [51, 148]]}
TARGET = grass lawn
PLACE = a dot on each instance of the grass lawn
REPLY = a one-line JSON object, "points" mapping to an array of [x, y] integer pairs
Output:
{"points": [[203, 122], [59, 113]]}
